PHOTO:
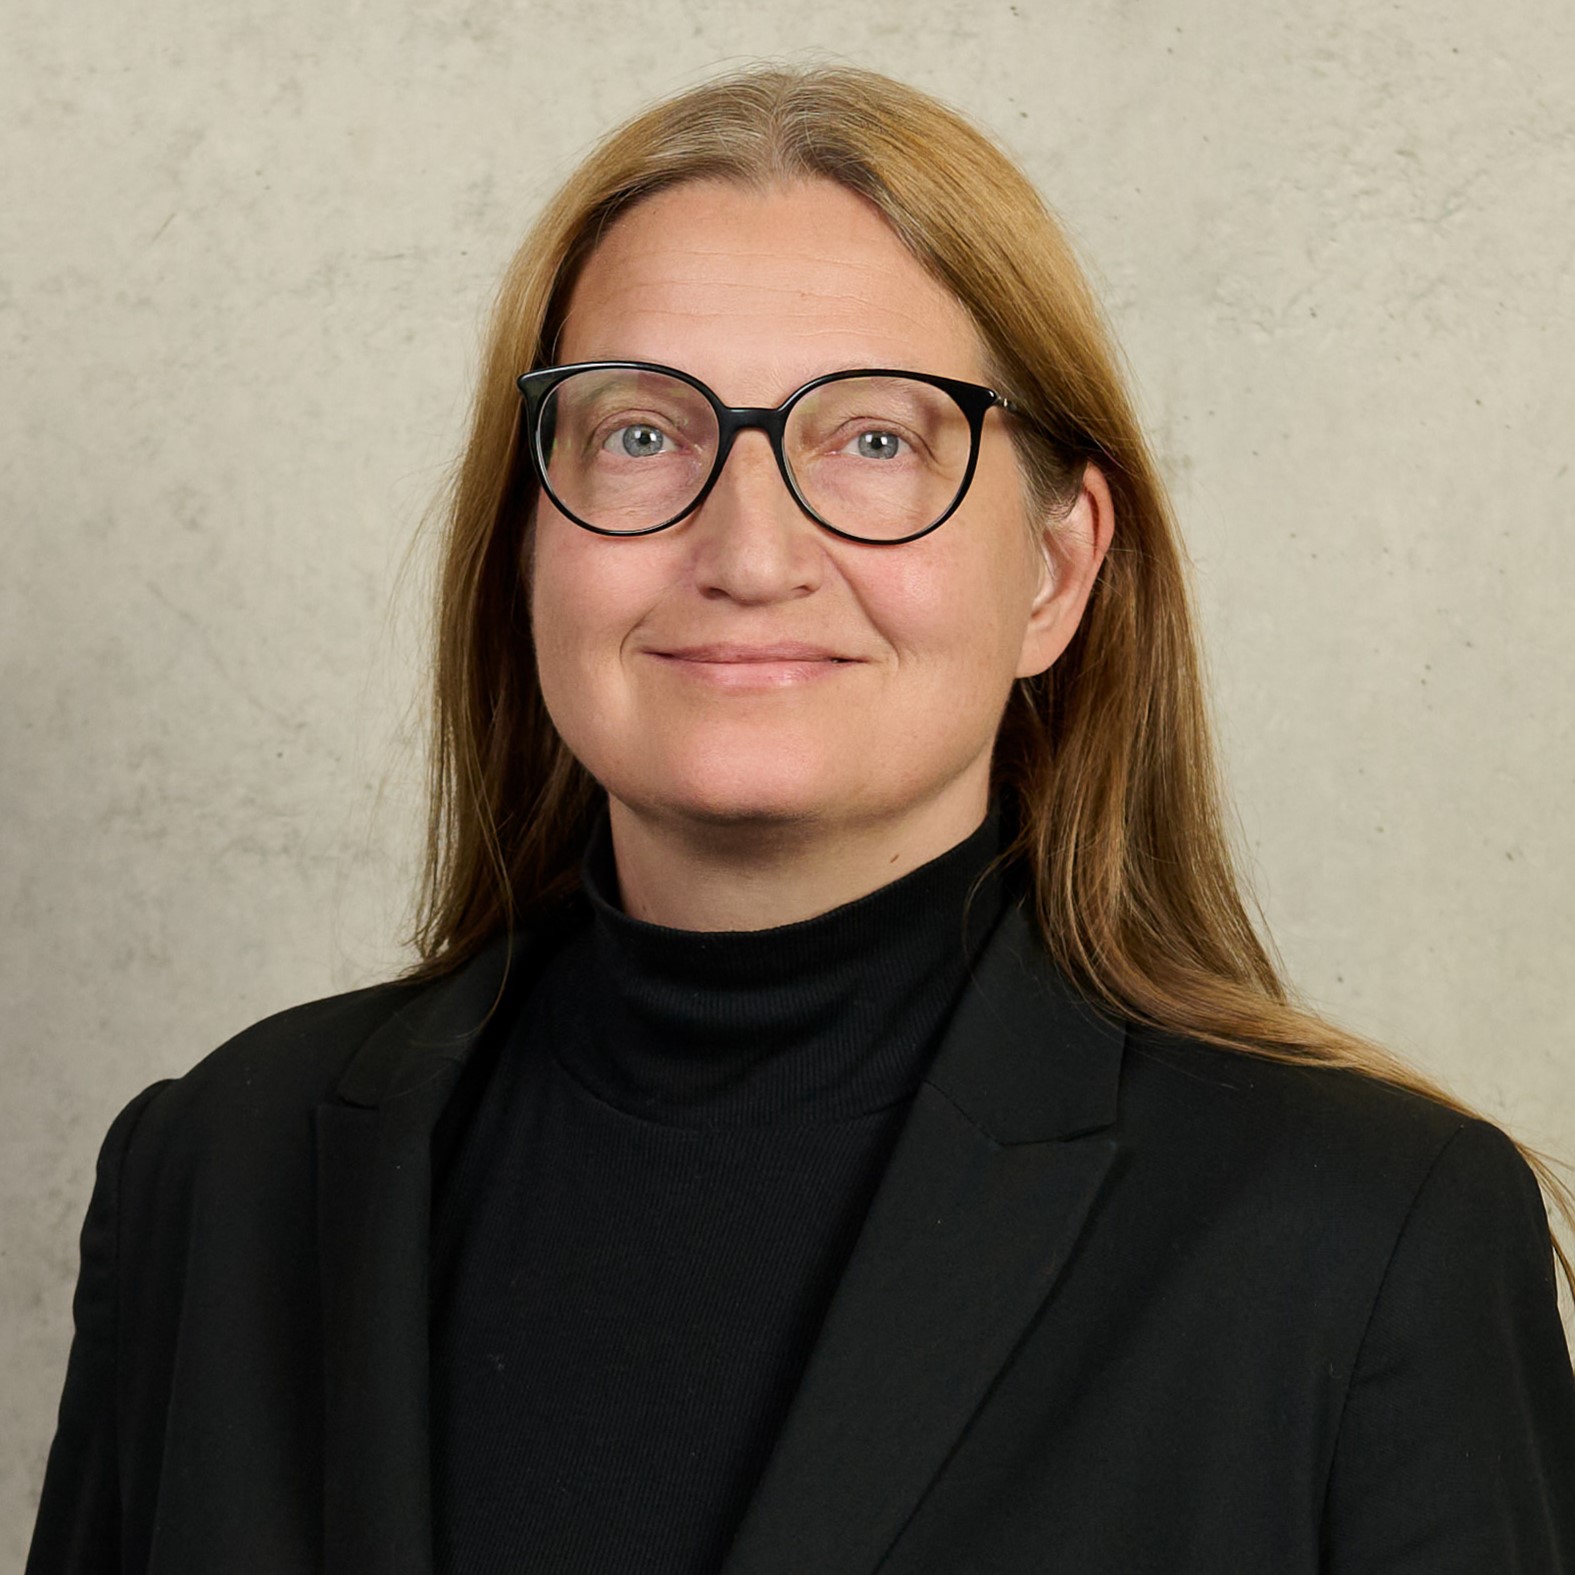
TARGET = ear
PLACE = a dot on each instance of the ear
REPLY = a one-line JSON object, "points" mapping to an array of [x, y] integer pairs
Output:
{"points": [[1072, 547]]}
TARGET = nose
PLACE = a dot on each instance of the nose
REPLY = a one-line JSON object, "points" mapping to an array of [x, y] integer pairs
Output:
{"points": [[751, 541]]}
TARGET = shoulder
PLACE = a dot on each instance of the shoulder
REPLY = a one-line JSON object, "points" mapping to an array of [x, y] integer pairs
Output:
{"points": [[253, 1103], [1303, 1218], [1202, 1091], [302, 1050], [266, 1079], [1333, 1158]]}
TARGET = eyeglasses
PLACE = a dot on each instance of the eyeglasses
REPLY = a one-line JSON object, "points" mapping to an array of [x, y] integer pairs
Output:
{"points": [[626, 448]]}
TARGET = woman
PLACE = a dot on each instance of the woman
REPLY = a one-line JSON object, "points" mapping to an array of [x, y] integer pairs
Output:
{"points": [[844, 1117]]}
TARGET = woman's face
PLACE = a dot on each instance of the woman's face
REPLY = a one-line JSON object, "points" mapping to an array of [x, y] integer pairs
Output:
{"points": [[756, 294]]}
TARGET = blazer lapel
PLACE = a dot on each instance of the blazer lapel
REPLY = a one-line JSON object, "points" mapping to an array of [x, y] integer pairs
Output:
{"points": [[990, 1184], [374, 1150]]}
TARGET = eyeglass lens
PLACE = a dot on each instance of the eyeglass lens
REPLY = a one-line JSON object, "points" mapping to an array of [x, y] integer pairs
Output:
{"points": [[877, 457]]}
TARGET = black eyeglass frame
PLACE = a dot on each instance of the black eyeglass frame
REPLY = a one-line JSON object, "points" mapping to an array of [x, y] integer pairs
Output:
{"points": [[973, 399]]}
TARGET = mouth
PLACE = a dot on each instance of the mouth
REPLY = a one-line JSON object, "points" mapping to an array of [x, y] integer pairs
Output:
{"points": [[754, 671], [735, 654]]}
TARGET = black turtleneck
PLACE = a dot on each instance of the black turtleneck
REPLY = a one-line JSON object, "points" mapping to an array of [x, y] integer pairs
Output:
{"points": [[652, 1202]]}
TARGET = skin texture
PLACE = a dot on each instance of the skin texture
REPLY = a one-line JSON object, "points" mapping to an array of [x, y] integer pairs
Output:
{"points": [[743, 798]]}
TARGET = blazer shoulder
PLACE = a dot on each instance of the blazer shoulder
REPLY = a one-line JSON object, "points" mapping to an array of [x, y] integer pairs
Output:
{"points": [[262, 1088], [274, 1072], [1207, 1080], [308, 1043], [1329, 1142]]}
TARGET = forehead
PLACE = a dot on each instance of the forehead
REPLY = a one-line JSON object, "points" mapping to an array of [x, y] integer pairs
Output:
{"points": [[757, 292]]}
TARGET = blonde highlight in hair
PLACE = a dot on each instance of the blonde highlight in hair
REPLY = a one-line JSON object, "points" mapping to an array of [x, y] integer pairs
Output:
{"points": [[1105, 760]]}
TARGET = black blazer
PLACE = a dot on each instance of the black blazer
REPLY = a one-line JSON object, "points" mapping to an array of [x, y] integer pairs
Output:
{"points": [[1122, 1305]]}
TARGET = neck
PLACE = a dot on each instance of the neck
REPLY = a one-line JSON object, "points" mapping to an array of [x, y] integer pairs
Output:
{"points": [[755, 874]]}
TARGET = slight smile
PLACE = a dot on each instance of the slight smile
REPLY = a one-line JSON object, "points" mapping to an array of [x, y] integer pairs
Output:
{"points": [[759, 667]]}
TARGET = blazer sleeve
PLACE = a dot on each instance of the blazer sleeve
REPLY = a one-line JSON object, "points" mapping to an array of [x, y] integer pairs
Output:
{"points": [[78, 1527], [1456, 1449]]}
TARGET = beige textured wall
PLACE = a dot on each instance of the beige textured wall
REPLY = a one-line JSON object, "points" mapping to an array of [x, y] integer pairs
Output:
{"points": [[243, 262]]}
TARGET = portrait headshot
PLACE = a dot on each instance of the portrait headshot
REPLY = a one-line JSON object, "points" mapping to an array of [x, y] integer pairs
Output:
{"points": [[790, 794]]}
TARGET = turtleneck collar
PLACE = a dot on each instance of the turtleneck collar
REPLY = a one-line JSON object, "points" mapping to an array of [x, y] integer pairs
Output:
{"points": [[820, 1021]]}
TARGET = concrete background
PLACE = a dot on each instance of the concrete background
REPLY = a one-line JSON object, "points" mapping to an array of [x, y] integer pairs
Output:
{"points": [[244, 262]]}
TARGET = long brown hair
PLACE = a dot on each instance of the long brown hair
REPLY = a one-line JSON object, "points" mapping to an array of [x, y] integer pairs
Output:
{"points": [[1105, 760]]}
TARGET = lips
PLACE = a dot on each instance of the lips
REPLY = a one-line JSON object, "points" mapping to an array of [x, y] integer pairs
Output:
{"points": [[778, 651]]}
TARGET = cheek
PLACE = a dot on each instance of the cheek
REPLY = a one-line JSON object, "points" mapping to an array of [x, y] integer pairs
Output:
{"points": [[575, 593], [551, 610], [962, 604], [590, 597], [567, 616]]}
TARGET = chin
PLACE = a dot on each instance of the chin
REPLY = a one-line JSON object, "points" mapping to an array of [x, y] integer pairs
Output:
{"points": [[738, 806], [758, 795]]}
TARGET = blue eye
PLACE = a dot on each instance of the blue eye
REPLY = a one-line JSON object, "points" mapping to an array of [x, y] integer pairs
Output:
{"points": [[877, 445], [639, 440]]}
